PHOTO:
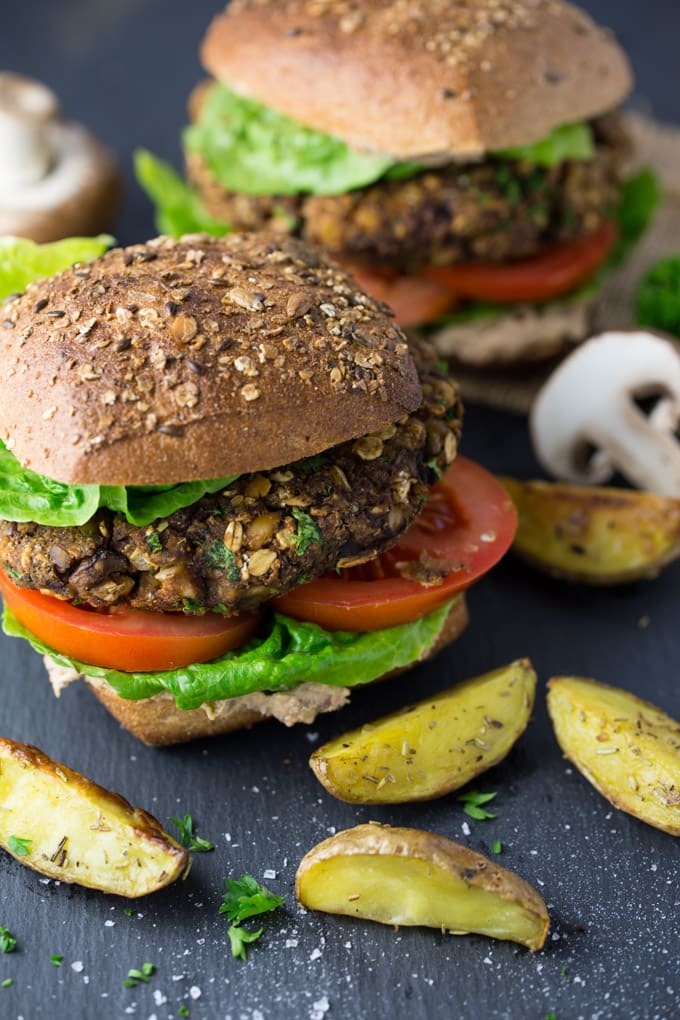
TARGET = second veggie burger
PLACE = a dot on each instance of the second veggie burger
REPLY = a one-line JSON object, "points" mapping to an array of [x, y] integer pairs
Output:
{"points": [[460, 157]]}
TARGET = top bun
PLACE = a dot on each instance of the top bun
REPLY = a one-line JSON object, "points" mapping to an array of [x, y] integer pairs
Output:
{"points": [[180, 360], [421, 78]]}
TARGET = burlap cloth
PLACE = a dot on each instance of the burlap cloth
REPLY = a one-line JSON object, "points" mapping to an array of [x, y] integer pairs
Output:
{"points": [[657, 146]]}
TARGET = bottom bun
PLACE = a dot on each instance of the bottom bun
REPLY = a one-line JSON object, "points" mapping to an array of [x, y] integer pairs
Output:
{"points": [[525, 334], [157, 721]]}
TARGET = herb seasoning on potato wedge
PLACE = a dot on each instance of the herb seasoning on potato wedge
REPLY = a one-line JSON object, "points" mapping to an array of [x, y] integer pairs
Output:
{"points": [[404, 876], [433, 747], [627, 748], [65, 826], [594, 535]]}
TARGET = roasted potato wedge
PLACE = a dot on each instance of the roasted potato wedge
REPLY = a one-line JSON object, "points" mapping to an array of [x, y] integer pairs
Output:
{"points": [[406, 876], [433, 747], [628, 749], [594, 535], [59, 823]]}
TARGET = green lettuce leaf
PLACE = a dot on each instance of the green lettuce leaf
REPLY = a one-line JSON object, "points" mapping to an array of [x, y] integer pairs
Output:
{"points": [[252, 149], [657, 301], [569, 141], [179, 210], [23, 261], [292, 652], [640, 196], [27, 496]]}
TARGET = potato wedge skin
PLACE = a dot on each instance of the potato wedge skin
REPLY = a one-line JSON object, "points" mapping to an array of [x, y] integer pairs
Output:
{"points": [[402, 876], [593, 535], [433, 747], [78, 831], [627, 748]]}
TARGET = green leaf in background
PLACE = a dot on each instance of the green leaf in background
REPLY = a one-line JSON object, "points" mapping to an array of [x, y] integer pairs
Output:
{"points": [[657, 302], [252, 149], [27, 496], [640, 196], [23, 261], [567, 142], [179, 210], [292, 651]]}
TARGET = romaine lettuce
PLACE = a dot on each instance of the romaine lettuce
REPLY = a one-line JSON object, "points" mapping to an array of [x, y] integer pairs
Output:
{"points": [[23, 261], [291, 653], [252, 149], [179, 210], [27, 496], [569, 141]]}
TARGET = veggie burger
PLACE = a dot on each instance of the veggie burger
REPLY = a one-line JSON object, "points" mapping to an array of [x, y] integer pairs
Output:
{"points": [[226, 488], [459, 156]]}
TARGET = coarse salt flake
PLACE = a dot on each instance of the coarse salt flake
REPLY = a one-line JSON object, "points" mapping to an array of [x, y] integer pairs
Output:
{"points": [[320, 1008]]}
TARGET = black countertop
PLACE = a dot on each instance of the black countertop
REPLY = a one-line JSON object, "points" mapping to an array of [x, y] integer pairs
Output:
{"points": [[610, 882]]}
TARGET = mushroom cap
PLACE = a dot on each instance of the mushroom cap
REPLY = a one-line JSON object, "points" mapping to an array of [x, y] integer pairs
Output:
{"points": [[173, 361], [586, 423]]}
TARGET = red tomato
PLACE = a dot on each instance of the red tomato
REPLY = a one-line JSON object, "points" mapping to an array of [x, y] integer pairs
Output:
{"points": [[555, 271], [423, 297], [468, 522], [132, 640], [414, 298]]}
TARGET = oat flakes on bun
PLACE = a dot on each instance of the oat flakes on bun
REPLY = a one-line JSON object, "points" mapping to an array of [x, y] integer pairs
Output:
{"points": [[463, 158], [226, 485]]}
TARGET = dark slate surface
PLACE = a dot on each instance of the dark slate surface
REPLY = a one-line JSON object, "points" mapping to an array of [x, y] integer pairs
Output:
{"points": [[125, 68]]}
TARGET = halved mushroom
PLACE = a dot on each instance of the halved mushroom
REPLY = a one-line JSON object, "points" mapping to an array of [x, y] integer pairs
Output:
{"points": [[588, 420], [56, 179]]}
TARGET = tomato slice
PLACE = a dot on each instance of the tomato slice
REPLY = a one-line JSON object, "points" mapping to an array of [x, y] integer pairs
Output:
{"points": [[414, 298], [468, 523], [423, 297], [133, 640], [555, 271]]}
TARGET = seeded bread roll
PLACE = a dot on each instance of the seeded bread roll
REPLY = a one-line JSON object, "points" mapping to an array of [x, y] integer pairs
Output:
{"points": [[158, 722], [444, 78], [173, 361]]}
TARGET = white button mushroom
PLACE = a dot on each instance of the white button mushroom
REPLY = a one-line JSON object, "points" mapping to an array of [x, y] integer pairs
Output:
{"points": [[586, 424], [56, 179]]}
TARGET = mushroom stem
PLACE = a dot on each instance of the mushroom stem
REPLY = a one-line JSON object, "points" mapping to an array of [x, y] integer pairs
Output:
{"points": [[27, 109]]}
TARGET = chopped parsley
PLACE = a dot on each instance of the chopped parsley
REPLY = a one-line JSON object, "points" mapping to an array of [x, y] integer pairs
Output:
{"points": [[193, 607], [19, 845], [188, 838], [129, 911], [245, 898], [56, 959], [222, 558], [472, 804], [307, 532], [496, 847], [434, 466], [153, 540], [14, 573], [136, 977], [6, 983], [7, 941], [239, 937], [183, 1010]]}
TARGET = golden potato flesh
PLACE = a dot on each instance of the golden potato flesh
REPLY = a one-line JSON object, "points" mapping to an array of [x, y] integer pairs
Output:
{"points": [[403, 876], [59, 823], [628, 749], [594, 535], [433, 747]]}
